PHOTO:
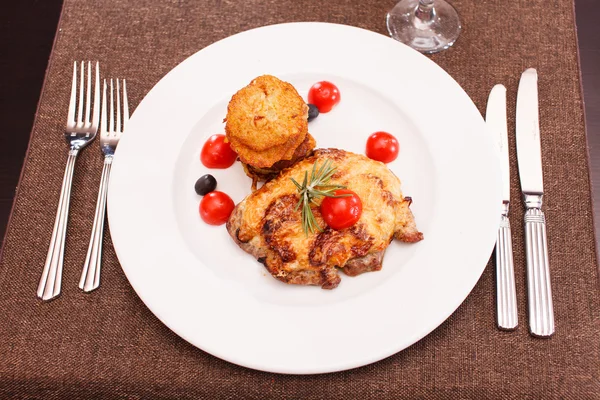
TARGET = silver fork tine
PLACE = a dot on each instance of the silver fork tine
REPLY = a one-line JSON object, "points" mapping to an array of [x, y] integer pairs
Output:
{"points": [[71, 114], [95, 115], [80, 108], [88, 95], [118, 126], [111, 126], [103, 130], [125, 105]]}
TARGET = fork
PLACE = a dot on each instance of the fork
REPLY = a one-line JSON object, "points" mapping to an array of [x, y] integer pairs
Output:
{"points": [[109, 139], [79, 133]]}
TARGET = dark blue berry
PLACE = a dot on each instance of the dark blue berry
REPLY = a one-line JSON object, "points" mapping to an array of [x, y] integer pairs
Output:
{"points": [[205, 184], [313, 112]]}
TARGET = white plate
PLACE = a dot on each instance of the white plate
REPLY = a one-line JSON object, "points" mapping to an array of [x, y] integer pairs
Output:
{"points": [[202, 286]]}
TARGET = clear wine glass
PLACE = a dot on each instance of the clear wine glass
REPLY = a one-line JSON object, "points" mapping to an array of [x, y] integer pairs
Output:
{"points": [[428, 26]]}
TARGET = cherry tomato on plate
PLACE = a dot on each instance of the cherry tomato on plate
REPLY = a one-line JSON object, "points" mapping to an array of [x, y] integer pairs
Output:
{"points": [[382, 146], [341, 212], [324, 95], [217, 153], [216, 207]]}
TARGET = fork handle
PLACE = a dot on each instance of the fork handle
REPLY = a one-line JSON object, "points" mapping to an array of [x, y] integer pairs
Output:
{"points": [[506, 295], [90, 276], [50, 283], [541, 312]]}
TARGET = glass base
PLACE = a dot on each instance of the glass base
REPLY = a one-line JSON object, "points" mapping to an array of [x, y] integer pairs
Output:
{"points": [[428, 29]]}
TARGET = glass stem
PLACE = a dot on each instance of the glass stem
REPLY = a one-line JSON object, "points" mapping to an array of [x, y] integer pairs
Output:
{"points": [[425, 11]]}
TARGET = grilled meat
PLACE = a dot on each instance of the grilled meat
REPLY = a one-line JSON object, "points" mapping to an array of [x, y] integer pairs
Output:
{"points": [[267, 224]]}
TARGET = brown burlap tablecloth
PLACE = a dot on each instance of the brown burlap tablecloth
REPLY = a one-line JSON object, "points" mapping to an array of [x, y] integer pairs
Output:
{"points": [[108, 344]]}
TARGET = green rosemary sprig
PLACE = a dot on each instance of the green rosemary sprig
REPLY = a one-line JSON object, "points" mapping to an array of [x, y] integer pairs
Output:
{"points": [[313, 188]]}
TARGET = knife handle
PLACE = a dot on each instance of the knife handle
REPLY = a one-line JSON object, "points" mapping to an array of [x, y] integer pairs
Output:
{"points": [[506, 295], [541, 312]]}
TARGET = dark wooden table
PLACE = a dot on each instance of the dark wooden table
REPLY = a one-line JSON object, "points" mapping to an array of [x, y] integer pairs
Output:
{"points": [[588, 13], [27, 29]]}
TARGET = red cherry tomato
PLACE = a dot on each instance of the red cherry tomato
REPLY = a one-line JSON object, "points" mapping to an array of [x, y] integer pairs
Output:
{"points": [[381, 146], [217, 153], [325, 95], [216, 207], [341, 212]]}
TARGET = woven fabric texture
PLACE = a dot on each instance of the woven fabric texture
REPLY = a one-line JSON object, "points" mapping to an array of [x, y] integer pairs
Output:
{"points": [[109, 345]]}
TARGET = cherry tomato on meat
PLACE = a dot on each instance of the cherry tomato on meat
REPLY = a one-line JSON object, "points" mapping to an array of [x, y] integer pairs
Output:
{"points": [[217, 153], [324, 95], [216, 207], [382, 146], [341, 212]]}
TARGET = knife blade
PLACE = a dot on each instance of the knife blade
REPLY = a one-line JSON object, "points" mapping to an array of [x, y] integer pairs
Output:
{"points": [[529, 157], [506, 295]]}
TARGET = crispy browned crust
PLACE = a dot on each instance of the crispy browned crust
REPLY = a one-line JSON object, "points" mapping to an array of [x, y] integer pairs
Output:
{"points": [[266, 121], [370, 262], [267, 224], [266, 174]]}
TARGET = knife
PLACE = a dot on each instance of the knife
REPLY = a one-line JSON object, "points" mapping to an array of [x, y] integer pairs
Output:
{"points": [[506, 295], [529, 156]]}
